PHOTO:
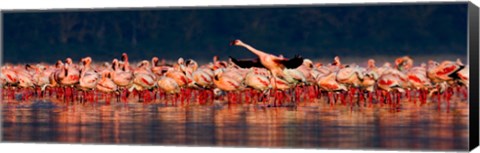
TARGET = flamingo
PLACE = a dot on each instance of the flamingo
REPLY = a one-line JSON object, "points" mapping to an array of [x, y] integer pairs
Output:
{"points": [[143, 80], [273, 63], [417, 76], [69, 78], [368, 82], [350, 76], [156, 69], [25, 81], [202, 77], [258, 82], [11, 79], [392, 81], [227, 84], [306, 69], [442, 73], [41, 76], [106, 85], [169, 86], [329, 83], [279, 87], [122, 76], [54, 78], [88, 78]]}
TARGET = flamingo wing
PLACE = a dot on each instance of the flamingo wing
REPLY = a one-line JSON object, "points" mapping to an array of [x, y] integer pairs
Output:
{"points": [[247, 63], [455, 74], [291, 63]]}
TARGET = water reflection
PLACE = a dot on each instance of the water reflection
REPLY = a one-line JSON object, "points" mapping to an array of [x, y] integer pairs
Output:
{"points": [[309, 125]]}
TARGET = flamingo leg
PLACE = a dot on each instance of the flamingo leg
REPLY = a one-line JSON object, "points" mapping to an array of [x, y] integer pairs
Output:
{"points": [[370, 98], [330, 98]]}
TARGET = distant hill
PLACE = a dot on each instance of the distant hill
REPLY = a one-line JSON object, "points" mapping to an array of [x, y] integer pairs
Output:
{"points": [[316, 32]]}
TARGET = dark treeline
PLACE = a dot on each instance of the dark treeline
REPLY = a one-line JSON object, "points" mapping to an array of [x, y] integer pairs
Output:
{"points": [[313, 31]]}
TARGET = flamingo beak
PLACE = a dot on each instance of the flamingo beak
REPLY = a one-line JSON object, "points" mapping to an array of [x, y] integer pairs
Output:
{"points": [[234, 42]]}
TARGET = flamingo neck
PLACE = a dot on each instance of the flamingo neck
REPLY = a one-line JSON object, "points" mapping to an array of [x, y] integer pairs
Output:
{"points": [[253, 50], [126, 66]]}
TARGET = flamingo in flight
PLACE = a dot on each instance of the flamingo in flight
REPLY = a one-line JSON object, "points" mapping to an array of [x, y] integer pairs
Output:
{"points": [[274, 64]]}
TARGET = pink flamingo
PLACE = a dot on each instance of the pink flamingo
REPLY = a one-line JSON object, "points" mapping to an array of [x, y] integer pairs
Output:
{"points": [[417, 76], [441, 74], [258, 82], [329, 83], [393, 83], [227, 84], [122, 76], [273, 63], [11, 80], [144, 80], [169, 86], [88, 79], [106, 85], [351, 77]]}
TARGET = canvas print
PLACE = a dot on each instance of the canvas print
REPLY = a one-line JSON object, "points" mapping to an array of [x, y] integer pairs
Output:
{"points": [[377, 76]]}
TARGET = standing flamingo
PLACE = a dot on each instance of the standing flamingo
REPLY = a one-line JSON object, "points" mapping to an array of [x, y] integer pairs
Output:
{"points": [[227, 84], [122, 76], [260, 83], [106, 85], [144, 80], [352, 77], [328, 82], [88, 79]]}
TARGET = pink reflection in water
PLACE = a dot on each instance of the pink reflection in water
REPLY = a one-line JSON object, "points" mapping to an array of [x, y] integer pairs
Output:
{"points": [[308, 125]]}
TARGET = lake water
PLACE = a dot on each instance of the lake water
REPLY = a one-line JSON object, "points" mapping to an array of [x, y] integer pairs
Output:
{"points": [[307, 125]]}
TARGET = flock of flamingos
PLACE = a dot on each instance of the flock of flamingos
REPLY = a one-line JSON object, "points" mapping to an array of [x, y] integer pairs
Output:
{"points": [[266, 79]]}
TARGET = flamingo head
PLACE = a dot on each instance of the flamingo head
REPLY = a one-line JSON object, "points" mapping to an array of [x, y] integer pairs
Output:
{"points": [[336, 61], [86, 60], [69, 61], [404, 62], [59, 64], [66, 66], [192, 63], [114, 64], [215, 58], [236, 42], [180, 61], [459, 62], [371, 63], [124, 57], [143, 64], [29, 67], [155, 61], [308, 63], [106, 64]]}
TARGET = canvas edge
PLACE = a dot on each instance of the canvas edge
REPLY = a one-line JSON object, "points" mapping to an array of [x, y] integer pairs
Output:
{"points": [[244, 6], [473, 51], [1, 64]]}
